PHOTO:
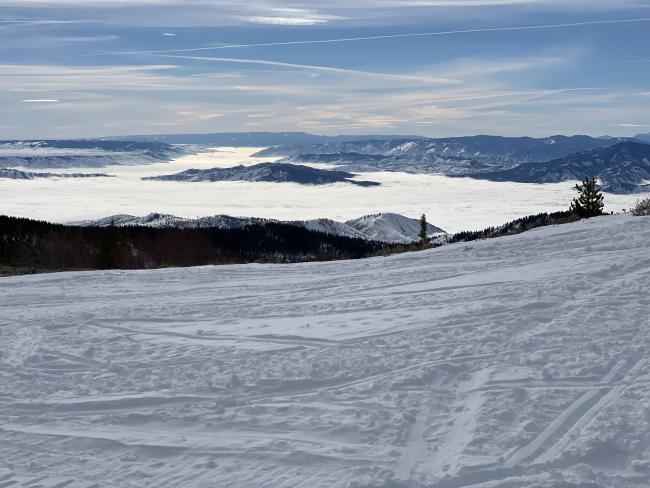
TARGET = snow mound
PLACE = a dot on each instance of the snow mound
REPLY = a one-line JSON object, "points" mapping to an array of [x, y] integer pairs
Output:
{"points": [[517, 362]]}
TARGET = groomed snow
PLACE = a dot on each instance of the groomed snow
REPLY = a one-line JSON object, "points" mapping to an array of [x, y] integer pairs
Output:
{"points": [[512, 362]]}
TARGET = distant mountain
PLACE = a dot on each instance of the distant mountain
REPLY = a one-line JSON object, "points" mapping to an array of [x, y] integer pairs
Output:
{"points": [[386, 227], [161, 221], [423, 163], [622, 168], [269, 172], [391, 227], [14, 174], [643, 137], [494, 148], [84, 153], [252, 139]]}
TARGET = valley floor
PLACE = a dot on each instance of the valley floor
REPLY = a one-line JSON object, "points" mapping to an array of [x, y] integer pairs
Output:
{"points": [[514, 362]]}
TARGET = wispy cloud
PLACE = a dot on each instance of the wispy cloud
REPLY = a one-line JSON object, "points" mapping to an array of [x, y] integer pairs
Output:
{"points": [[390, 36], [40, 100], [291, 16], [310, 67]]}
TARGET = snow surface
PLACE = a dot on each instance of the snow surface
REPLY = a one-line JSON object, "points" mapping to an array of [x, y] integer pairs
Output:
{"points": [[454, 204], [515, 362]]}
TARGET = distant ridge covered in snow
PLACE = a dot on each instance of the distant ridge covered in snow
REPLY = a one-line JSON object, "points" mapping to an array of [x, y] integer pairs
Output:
{"points": [[384, 227], [268, 172], [88, 153], [15, 174]]}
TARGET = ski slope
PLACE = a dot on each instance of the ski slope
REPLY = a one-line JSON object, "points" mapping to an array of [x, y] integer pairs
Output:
{"points": [[514, 362]]}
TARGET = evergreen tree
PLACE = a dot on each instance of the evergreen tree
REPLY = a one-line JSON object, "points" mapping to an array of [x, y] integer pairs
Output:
{"points": [[589, 202], [423, 230]]}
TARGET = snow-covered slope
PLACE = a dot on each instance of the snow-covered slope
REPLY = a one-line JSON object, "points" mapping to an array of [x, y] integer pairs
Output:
{"points": [[15, 174], [386, 227], [391, 227], [516, 362], [84, 153], [269, 172]]}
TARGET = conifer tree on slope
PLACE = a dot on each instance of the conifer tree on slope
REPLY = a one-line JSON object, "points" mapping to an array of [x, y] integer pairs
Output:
{"points": [[589, 202], [423, 230]]}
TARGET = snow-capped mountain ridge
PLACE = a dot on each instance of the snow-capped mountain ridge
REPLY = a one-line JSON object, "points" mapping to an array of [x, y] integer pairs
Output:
{"points": [[385, 227], [87, 153], [15, 174]]}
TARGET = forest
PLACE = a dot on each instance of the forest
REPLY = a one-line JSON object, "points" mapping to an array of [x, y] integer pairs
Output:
{"points": [[30, 246]]}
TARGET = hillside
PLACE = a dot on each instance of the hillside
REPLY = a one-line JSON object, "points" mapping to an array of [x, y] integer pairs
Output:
{"points": [[33, 246], [519, 149], [15, 174], [269, 172], [622, 168], [514, 362], [84, 153], [383, 227]]}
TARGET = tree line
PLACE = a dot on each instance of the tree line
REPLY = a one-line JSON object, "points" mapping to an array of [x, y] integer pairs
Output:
{"points": [[29, 246]]}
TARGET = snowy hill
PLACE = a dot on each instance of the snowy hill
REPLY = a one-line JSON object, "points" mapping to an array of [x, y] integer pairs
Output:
{"points": [[15, 174], [85, 153], [519, 362], [622, 168], [386, 227], [270, 172], [391, 227]]}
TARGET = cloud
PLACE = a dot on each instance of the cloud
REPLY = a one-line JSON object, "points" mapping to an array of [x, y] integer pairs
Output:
{"points": [[291, 16], [389, 36], [42, 100]]}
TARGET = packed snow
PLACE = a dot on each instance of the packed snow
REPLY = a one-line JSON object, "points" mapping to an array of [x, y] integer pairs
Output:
{"points": [[453, 204], [515, 362]]}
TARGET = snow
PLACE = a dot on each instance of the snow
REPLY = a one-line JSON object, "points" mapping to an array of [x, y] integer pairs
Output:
{"points": [[513, 362], [453, 204]]}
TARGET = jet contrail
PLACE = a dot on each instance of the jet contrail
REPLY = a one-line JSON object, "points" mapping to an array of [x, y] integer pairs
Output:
{"points": [[314, 68], [387, 36]]}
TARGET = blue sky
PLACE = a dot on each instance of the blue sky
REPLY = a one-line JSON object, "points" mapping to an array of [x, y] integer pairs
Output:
{"points": [[83, 68]]}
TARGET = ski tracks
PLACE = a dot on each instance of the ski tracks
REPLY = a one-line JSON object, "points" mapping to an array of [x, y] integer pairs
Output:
{"points": [[551, 442]]}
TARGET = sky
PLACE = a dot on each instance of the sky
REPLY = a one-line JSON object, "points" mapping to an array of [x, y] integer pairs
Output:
{"points": [[86, 68]]}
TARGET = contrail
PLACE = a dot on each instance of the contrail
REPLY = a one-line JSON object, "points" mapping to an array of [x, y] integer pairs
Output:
{"points": [[28, 22], [389, 36], [314, 68]]}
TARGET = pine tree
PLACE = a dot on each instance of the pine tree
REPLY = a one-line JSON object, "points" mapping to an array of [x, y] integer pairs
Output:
{"points": [[423, 230], [589, 202]]}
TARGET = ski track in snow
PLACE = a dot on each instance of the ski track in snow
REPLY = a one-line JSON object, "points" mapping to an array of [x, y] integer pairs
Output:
{"points": [[514, 362]]}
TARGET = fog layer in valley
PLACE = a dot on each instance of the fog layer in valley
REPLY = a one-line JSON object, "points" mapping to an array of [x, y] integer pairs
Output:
{"points": [[451, 203]]}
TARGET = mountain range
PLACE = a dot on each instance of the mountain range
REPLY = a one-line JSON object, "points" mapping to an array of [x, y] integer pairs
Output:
{"points": [[252, 139], [621, 168], [15, 174], [643, 137], [84, 153], [384, 227], [482, 147], [621, 164], [269, 172]]}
